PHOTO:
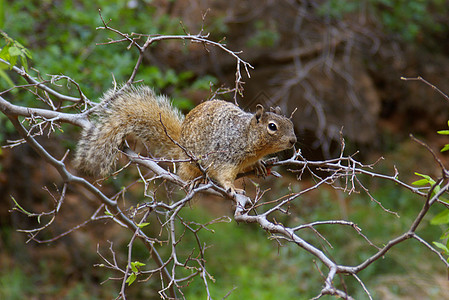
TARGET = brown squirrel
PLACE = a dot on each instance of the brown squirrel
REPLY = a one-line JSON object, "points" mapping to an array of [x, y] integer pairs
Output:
{"points": [[224, 139]]}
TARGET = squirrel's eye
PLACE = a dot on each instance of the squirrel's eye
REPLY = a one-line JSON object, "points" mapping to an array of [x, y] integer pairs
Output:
{"points": [[272, 126]]}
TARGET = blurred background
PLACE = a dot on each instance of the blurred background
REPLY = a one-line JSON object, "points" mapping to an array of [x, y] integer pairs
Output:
{"points": [[339, 62]]}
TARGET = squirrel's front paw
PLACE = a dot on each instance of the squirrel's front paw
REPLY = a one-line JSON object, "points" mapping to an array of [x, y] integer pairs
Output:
{"points": [[240, 191], [233, 191], [260, 169], [194, 183]]}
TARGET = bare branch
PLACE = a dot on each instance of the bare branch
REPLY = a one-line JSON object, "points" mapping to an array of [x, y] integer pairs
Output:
{"points": [[197, 38], [41, 85], [419, 78]]}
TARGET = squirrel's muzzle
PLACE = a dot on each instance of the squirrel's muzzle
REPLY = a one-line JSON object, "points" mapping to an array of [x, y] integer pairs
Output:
{"points": [[292, 141]]}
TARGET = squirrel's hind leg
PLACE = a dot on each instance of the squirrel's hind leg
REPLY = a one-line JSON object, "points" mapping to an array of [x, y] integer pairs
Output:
{"points": [[188, 171], [225, 177]]}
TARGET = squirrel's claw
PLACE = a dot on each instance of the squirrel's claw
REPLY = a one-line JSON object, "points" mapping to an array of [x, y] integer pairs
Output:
{"points": [[192, 184], [232, 191], [260, 169]]}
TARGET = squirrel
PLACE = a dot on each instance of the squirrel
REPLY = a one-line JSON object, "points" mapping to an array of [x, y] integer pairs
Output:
{"points": [[223, 139]]}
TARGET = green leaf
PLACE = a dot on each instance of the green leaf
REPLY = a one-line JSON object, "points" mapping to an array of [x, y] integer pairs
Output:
{"points": [[137, 264], [18, 207], [4, 53], [14, 51], [445, 235], [12, 61], [420, 182], [436, 189], [131, 279], [441, 218], [441, 246], [24, 62], [142, 225], [27, 53], [443, 132], [429, 179], [445, 148]]}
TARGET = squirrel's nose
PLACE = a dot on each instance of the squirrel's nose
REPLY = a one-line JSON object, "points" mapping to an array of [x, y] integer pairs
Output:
{"points": [[293, 140]]}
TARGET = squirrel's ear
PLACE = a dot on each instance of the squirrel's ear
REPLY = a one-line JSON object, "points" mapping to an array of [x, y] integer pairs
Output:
{"points": [[259, 112], [276, 110]]}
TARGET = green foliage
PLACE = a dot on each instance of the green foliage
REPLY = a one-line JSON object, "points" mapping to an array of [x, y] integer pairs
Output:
{"points": [[76, 51], [265, 34], [11, 51], [444, 132], [74, 48], [204, 82], [427, 180], [442, 218], [337, 9], [135, 269], [142, 225], [14, 285], [407, 19], [442, 247]]}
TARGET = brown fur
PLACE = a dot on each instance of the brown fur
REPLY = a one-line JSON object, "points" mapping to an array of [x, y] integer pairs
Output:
{"points": [[224, 139]]}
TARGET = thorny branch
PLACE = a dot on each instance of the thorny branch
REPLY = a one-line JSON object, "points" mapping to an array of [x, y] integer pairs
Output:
{"points": [[343, 173]]}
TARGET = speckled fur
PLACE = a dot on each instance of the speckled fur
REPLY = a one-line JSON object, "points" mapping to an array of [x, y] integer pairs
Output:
{"points": [[225, 139], [228, 140]]}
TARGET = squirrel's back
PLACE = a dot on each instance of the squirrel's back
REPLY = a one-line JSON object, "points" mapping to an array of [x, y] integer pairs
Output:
{"points": [[224, 130], [131, 110]]}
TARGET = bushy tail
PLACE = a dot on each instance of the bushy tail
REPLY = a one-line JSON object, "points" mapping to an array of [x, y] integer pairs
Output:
{"points": [[132, 110]]}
